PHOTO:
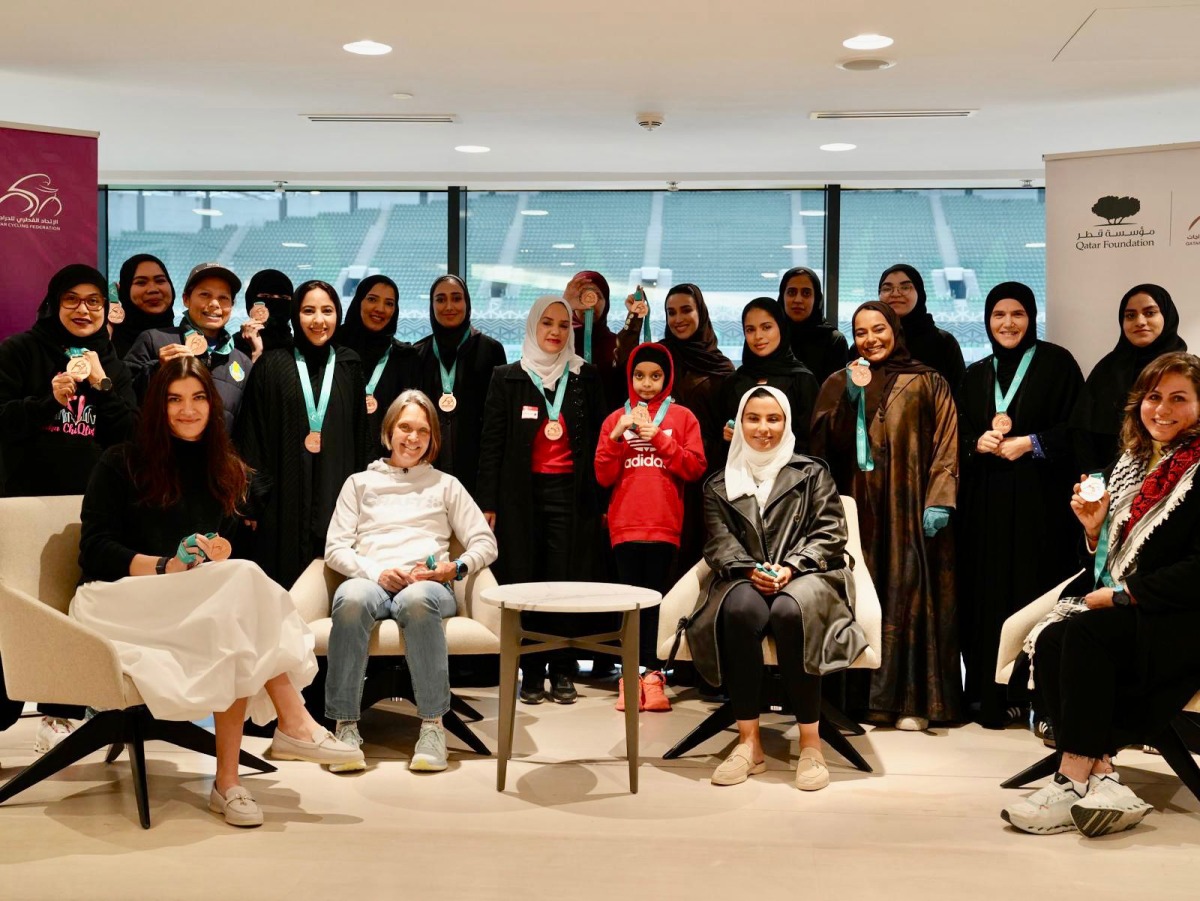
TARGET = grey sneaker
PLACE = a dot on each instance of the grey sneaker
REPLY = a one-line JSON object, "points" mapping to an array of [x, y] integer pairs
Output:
{"points": [[347, 733], [429, 756], [1108, 807]]}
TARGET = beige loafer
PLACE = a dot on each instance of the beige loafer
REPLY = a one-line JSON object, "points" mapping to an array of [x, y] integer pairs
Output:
{"points": [[237, 806], [811, 772], [323, 749], [738, 767]]}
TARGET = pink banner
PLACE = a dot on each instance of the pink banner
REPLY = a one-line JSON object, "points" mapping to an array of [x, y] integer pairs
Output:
{"points": [[48, 218]]}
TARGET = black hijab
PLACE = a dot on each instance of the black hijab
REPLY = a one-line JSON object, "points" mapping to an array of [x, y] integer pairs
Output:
{"points": [[816, 320], [918, 322], [49, 327], [138, 320], [899, 361], [369, 345], [1168, 340], [779, 362], [448, 339], [313, 355], [700, 353], [276, 331], [1008, 359]]}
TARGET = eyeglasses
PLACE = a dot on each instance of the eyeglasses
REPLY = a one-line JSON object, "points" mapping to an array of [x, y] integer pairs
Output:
{"points": [[72, 301], [903, 288]]}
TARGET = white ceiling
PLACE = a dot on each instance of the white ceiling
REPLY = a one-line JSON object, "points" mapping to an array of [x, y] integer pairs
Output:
{"points": [[212, 91]]}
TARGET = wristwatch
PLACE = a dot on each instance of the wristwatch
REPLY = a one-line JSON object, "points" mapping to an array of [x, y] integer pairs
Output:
{"points": [[161, 566], [105, 384], [460, 570], [1120, 598]]}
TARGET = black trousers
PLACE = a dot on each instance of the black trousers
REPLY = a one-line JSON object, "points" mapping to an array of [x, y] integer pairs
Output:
{"points": [[1081, 667], [745, 617], [646, 564]]}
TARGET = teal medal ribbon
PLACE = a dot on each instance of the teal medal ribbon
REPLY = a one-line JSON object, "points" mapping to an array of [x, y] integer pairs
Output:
{"points": [[1101, 573], [552, 408], [662, 411], [1003, 401], [316, 411], [378, 372], [447, 376], [589, 315], [73, 352], [862, 440], [640, 296]]}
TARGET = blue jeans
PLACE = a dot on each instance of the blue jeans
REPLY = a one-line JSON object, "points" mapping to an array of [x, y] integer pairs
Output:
{"points": [[418, 610]]}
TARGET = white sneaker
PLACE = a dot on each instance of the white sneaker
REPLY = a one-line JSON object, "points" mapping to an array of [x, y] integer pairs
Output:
{"points": [[1045, 812], [912, 724], [347, 733], [429, 756], [1108, 807], [51, 733]]}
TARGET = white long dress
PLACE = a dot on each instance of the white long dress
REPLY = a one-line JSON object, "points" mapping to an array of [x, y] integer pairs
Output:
{"points": [[194, 642]]}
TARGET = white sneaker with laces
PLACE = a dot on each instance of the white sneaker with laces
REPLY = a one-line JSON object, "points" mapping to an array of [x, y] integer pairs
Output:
{"points": [[429, 756], [1046, 812], [51, 732], [347, 733], [1108, 807]]}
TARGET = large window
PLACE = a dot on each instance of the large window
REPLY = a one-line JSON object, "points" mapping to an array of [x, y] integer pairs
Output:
{"points": [[336, 236], [963, 242], [733, 244]]}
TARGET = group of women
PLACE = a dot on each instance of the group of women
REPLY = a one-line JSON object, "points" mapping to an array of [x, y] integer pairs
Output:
{"points": [[961, 477]]}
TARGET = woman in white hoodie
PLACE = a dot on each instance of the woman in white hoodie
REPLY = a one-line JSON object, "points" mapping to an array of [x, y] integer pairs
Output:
{"points": [[388, 522]]}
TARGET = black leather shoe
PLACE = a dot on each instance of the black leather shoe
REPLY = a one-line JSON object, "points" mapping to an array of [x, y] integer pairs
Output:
{"points": [[533, 690], [562, 690]]}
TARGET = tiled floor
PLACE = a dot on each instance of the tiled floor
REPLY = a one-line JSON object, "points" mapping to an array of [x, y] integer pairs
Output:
{"points": [[925, 825]]}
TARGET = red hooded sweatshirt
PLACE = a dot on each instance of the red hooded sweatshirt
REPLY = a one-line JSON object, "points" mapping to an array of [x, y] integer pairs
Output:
{"points": [[647, 477]]}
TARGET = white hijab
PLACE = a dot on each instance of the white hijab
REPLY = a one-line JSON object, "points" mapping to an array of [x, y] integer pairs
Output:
{"points": [[750, 472], [548, 367]]}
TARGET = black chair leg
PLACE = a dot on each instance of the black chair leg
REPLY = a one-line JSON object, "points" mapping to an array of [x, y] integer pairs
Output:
{"points": [[838, 718], [717, 721], [833, 737], [114, 752], [103, 729], [1047, 766], [460, 730], [194, 738], [1171, 743], [137, 765], [463, 709]]}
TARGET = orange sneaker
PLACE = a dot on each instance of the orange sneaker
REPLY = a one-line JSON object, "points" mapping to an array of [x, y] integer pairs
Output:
{"points": [[621, 694], [654, 698]]}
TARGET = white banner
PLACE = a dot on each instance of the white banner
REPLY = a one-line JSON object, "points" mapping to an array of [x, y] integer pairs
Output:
{"points": [[1115, 219]]}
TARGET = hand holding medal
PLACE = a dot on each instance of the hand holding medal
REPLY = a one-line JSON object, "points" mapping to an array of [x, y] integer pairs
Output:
{"points": [[1089, 503], [62, 386]]}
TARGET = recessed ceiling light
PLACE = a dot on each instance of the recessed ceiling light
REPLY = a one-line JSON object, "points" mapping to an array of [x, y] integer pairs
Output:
{"points": [[208, 212], [770, 275], [535, 212], [293, 244], [865, 64], [564, 246], [810, 212], [1036, 244], [367, 48], [402, 95], [473, 148], [838, 147], [315, 193], [794, 246], [868, 42]]}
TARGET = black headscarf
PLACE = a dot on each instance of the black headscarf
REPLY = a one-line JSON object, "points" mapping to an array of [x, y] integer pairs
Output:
{"points": [[314, 356], [816, 317], [136, 319], [701, 352], [369, 345], [1168, 340], [918, 322], [899, 361], [448, 339], [49, 326], [276, 331], [1008, 359], [779, 362]]}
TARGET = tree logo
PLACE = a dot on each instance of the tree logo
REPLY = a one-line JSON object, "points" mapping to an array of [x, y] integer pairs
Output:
{"points": [[1194, 221], [1116, 209], [37, 193]]}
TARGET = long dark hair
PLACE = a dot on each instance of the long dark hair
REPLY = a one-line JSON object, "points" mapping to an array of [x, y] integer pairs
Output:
{"points": [[153, 461], [1134, 436]]}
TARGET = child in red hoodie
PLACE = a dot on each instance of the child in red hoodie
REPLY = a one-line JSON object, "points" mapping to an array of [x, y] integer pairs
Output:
{"points": [[648, 449]]}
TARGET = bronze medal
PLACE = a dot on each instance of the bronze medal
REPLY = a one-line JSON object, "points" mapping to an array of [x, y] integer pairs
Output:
{"points": [[447, 403], [312, 442], [219, 549], [116, 314], [79, 368], [553, 429], [372, 404], [1002, 423], [641, 415], [589, 297], [860, 375], [196, 344], [259, 312]]}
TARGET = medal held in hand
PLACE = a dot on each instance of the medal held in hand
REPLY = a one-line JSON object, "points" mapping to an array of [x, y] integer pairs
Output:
{"points": [[860, 373], [641, 414], [79, 367], [116, 314], [259, 312], [196, 344], [447, 403], [219, 548], [1002, 423], [1092, 489], [589, 296]]}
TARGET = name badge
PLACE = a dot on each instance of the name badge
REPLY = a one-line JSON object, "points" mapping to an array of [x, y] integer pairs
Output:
{"points": [[528, 412]]}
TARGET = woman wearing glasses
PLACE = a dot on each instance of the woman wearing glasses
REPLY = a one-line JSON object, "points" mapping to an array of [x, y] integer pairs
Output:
{"points": [[902, 288]]}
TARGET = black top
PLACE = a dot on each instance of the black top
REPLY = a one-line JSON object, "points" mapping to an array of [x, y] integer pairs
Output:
{"points": [[926, 342], [117, 526], [815, 341]]}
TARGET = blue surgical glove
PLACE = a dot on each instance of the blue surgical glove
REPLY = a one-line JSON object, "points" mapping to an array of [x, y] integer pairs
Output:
{"points": [[934, 520]]}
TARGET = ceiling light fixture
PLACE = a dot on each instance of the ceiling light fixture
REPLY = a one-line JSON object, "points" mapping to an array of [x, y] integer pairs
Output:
{"points": [[564, 246], [535, 212], [473, 148], [1036, 244], [770, 274], [367, 48], [402, 95], [867, 42], [865, 64], [201, 212], [795, 246], [838, 147], [315, 193], [293, 244], [810, 212]]}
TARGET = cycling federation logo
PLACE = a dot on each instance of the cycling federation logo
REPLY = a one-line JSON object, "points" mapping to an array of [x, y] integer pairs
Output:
{"points": [[34, 197]]}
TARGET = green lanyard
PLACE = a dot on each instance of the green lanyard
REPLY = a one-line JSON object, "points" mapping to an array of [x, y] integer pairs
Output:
{"points": [[448, 376], [640, 296], [862, 441], [316, 412], [588, 316], [378, 373], [552, 409], [1004, 400], [662, 411]]}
